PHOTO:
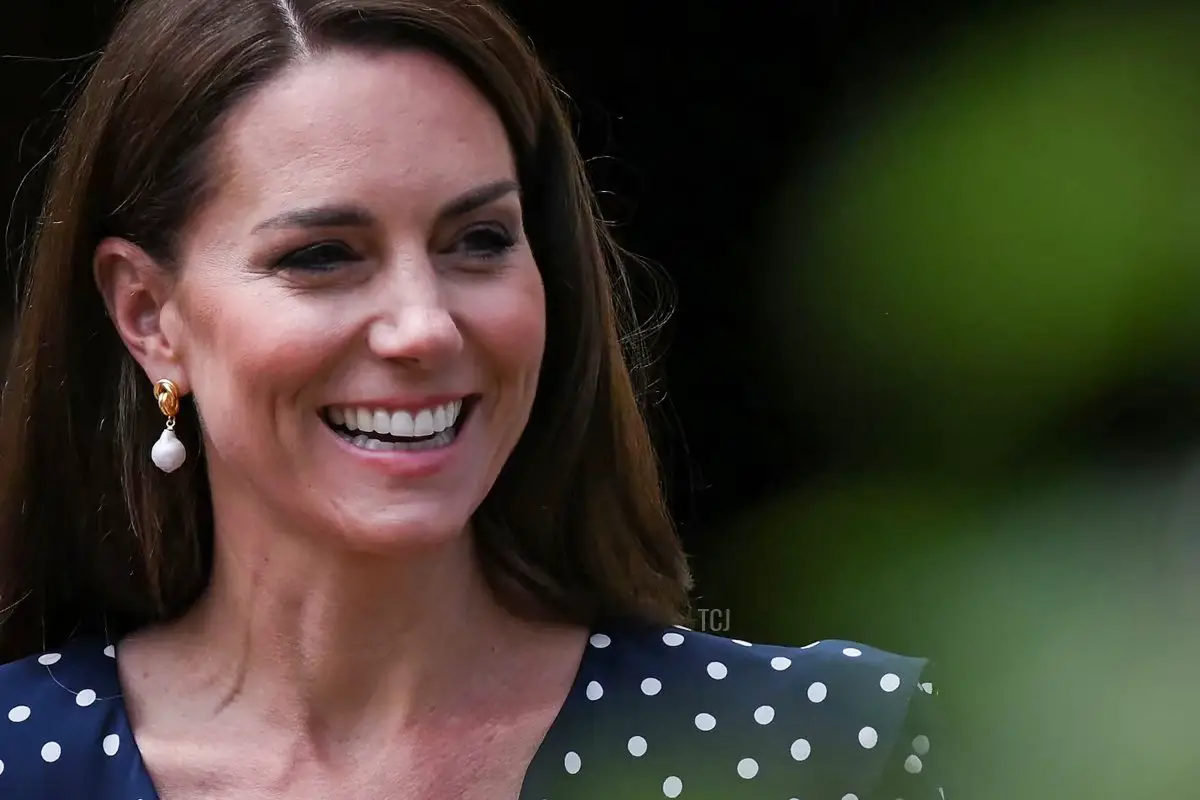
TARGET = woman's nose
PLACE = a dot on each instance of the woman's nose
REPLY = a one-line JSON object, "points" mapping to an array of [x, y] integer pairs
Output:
{"points": [[417, 325]]}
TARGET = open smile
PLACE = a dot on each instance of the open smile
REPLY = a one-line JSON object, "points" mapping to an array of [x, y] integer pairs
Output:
{"points": [[380, 429]]}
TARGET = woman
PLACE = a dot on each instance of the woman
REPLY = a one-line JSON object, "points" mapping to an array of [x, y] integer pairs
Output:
{"points": [[323, 472]]}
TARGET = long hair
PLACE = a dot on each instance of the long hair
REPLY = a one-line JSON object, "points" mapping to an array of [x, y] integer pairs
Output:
{"points": [[91, 535]]}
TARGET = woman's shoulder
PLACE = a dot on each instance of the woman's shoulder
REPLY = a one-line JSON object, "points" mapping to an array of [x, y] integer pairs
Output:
{"points": [[61, 721], [826, 672], [831, 715], [79, 673]]}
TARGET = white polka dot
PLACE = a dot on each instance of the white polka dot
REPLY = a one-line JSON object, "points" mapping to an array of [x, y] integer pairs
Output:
{"points": [[764, 714], [706, 722], [594, 691], [747, 768], [572, 762], [890, 682], [717, 670], [810, 646], [110, 651], [817, 692], [913, 764], [742, 642], [46, 659], [672, 787], [18, 713], [600, 640], [637, 746], [849, 797], [801, 749], [85, 697], [112, 743], [780, 663], [927, 688], [868, 737], [921, 745], [1, 767], [672, 639], [50, 752], [651, 686], [853, 652]]}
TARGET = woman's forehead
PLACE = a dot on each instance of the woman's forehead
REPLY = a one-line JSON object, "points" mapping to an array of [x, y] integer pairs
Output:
{"points": [[405, 118]]}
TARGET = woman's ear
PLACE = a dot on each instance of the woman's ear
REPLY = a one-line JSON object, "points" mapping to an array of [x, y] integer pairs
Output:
{"points": [[137, 292]]}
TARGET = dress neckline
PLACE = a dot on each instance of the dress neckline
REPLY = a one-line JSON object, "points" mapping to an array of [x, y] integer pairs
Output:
{"points": [[537, 765]]}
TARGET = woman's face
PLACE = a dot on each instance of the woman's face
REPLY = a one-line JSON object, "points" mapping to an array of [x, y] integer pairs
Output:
{"points": [[358, 314]]}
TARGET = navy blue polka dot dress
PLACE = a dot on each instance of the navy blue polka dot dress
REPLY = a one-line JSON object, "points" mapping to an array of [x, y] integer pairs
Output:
{"points": [[653, 713]]}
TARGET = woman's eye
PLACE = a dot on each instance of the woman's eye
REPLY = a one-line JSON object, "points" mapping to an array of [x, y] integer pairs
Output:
{"points": [[488, 242], [318, 257]]}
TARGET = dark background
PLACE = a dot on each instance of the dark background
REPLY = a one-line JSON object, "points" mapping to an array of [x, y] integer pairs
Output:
{"points": [[690, 113]]}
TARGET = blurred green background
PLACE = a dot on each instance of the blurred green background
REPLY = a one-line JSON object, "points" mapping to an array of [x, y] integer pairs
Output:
{"points": [[996, 256]]}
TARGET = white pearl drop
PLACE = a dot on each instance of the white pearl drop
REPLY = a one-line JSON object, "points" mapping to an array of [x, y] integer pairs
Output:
{"points": [[168, 453]]}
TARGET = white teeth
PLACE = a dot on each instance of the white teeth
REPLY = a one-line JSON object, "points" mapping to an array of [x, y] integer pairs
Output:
{"points": [[451, 410], [381, 422], [425, 422], [368, 443], [402, 424], [423, 426]]}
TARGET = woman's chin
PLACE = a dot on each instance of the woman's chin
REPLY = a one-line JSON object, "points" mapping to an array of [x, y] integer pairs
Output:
{"points": [[398, 531]]}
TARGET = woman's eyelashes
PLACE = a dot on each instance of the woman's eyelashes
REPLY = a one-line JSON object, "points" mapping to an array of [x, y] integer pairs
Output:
{"points": [[487, 242], [481, 243], [318, 257]]}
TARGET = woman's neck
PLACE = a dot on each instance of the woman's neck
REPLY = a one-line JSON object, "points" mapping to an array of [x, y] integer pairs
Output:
{"points": [[347, 645]]}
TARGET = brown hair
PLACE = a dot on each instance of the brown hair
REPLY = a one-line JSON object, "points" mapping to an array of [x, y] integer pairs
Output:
{"points": [[90, 534]]}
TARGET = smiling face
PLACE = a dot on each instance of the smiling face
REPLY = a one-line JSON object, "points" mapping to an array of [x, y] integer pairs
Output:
{"points": [[357, 312]]}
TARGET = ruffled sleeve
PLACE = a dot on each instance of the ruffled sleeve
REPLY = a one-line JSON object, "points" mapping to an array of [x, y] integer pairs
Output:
{"points": [[916, 767]]}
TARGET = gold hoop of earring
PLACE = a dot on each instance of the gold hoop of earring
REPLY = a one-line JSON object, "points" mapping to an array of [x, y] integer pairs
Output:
{"points": [[168, 453]]}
